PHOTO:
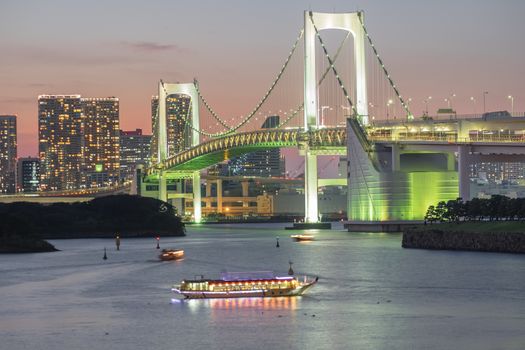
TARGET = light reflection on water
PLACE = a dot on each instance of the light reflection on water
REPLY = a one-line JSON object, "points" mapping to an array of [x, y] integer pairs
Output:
{"points": [[371, 294], [263, 304]]}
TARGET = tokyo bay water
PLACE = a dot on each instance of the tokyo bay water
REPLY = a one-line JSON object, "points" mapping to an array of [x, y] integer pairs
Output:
{"points": [[372, 294]]}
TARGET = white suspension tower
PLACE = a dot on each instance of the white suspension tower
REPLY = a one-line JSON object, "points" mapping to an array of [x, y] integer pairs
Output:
{"points": [[344, 21], [188, 89]]}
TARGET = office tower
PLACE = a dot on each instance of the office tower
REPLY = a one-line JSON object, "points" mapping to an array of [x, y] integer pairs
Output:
{"points": [[28, 174], [498, 172], [134, 150], [60, 141], [266, 163], [101, 150], [7, 153], [178, 111]]}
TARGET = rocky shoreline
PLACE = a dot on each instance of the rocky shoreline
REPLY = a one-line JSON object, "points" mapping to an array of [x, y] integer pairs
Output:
{"points": [[501, 242]]}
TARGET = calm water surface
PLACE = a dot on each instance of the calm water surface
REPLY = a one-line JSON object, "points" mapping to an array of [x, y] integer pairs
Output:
{"points": [[372, 294]]}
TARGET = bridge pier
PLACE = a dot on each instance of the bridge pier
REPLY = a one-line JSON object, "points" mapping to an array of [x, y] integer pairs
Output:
{"points": [[219, 195], [245, 192], [310, 187], [197, 209], [464, 161], [163, 187]]}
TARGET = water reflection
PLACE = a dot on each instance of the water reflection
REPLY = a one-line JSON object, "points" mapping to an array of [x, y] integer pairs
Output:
{"points": [[281, 303], [235, 304]]}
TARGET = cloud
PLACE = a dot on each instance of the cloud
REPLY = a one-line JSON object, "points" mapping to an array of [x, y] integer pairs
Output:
{"points": [[148, 46]]}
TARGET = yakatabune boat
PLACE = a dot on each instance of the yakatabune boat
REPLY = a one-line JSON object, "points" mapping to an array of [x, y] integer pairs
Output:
{"points": [[244, 285], [171, 254], [302, 238]]}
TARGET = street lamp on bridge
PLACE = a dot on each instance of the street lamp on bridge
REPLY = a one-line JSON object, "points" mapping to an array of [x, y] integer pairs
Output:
{"points": [[388, 104], [426, 104], [473, 104], [322, 113], [511, 98]]}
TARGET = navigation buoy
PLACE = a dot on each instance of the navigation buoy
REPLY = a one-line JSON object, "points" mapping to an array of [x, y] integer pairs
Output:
{"points": [[277, 244], [105, 255], [290, 270], [158, 239], [117, 242]]}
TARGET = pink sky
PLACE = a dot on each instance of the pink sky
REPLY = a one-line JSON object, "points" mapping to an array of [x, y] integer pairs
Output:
{"points": [[235, 48]]}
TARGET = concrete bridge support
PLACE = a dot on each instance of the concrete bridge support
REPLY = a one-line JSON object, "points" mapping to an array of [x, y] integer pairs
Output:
{"points": [[197, 204], [464, 162], [219, 196], [208, 193], [245, 192], [163, 188]]}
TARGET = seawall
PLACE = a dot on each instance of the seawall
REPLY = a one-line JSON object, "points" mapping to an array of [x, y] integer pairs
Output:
{"points": [[502, 242]]}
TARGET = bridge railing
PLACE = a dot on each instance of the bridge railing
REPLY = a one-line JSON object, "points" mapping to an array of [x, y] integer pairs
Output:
{"points": [[451, 138], [491, 116]]}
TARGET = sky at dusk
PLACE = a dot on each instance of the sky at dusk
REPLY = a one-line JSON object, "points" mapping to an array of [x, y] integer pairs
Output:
{"points": [[235, 48]]}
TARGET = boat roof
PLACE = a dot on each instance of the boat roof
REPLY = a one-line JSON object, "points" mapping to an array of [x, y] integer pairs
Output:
{"points": [[243, 276]]}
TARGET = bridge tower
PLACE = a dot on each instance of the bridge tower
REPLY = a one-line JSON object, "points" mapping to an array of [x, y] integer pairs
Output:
{"points": [[165, 90], [313, 23]]}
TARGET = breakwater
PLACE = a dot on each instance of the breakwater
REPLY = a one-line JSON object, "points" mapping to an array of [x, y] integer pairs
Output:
{"points": [[502, 242]]}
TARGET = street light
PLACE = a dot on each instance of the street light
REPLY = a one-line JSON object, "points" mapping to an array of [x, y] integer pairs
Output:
{"points": [[511, 98], [388, 104], [410, 116], [322, 113], [485, 93], [452, 95], [473, 104], [426, 104]]}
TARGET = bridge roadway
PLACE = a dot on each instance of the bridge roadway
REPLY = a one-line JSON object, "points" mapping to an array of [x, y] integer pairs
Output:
{"points": [[329, 141], [324, 141]]}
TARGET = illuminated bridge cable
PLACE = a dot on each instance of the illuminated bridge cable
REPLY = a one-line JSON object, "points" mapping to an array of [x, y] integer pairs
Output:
{"points": [[264, 98], [332, 66], [301, 106], [403, 103]]}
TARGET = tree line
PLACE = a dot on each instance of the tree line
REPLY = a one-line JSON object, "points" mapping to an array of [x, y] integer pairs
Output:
{"points": [[122, 214], [495, 208]]}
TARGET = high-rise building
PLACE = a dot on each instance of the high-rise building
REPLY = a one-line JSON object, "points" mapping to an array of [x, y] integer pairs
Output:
{"points": [[60, 141], [498, 172], [178, 110], [7, 153], [266, 163], [28, 174], [101, 150], [134, 150]]}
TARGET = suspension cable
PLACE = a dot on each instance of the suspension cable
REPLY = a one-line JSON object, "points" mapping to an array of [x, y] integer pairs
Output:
{"points": [[264, 98], [403, 103], [300, 107]]}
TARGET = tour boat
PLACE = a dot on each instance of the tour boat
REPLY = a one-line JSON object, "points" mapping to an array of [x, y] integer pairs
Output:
{"points": [[244, 285], [171, 254], [301, 238]]}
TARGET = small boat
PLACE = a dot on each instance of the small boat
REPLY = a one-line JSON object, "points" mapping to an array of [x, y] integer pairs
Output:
{"points": [[171, 254], [302, 238], [244, 285]]}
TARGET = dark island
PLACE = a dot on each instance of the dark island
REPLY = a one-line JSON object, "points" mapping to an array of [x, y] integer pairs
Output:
{"points": [[24, 226], [489, 225]]}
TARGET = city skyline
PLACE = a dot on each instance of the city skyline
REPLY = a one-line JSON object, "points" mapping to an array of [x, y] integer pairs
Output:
{"points": [[455, 46]]}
